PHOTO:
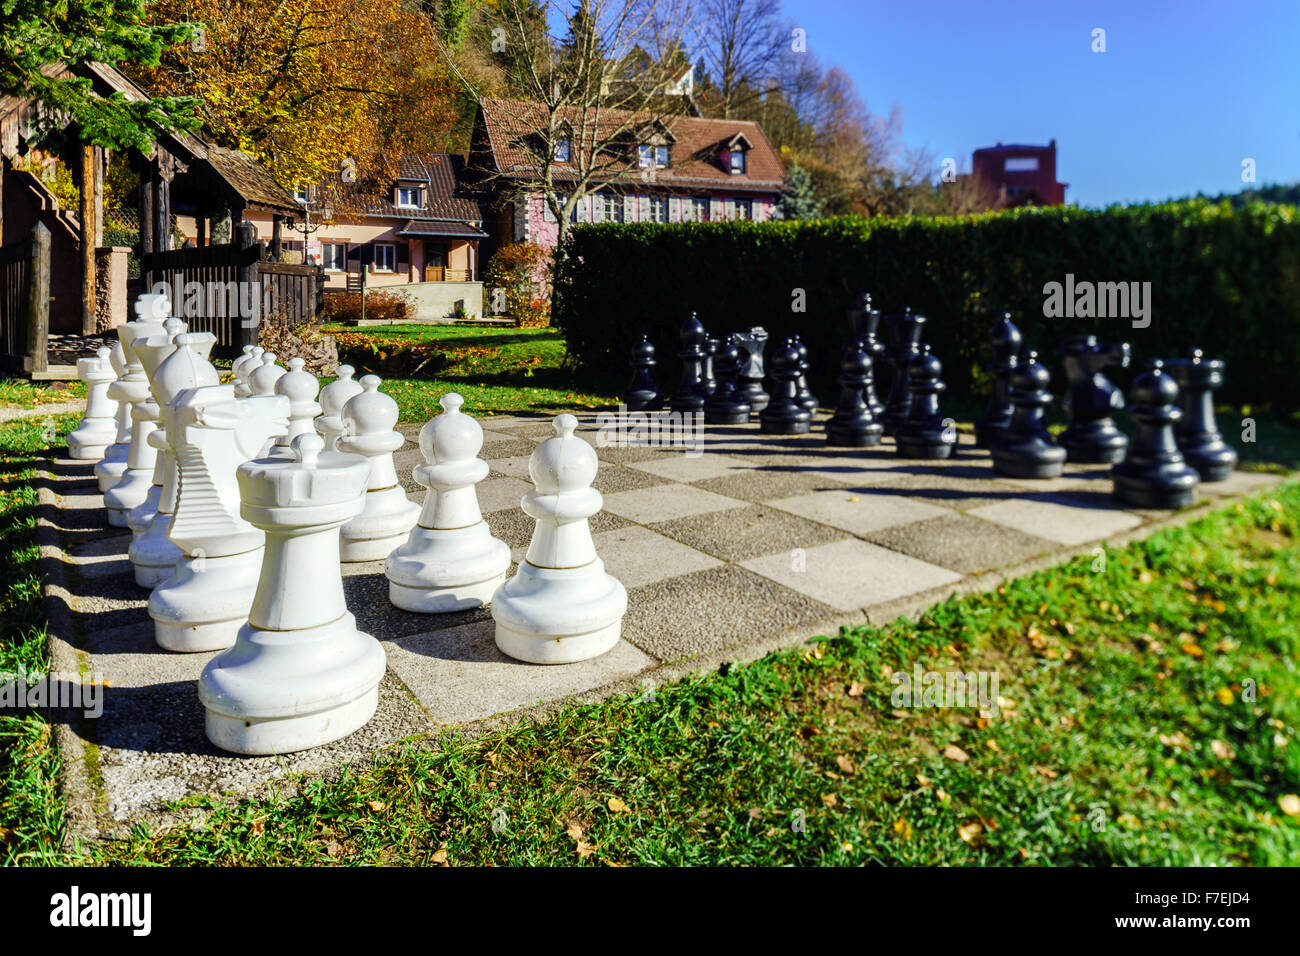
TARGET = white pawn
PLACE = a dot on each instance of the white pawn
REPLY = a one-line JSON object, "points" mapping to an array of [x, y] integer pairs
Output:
{"points": [[560, 606], [262, 379], [90, 440], [244, 355], [332, 399], [109, 470], [388, 515], [300, 387], [300, 674], [450, 562], [133, 388], [243, 368], [152, 553]]}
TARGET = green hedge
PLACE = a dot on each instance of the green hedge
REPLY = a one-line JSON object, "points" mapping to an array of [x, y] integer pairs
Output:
{"points": [[1226, 280]]}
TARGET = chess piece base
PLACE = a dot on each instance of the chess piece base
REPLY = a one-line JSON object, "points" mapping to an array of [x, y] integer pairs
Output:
{"points": [[441, 570], [140, 518], [852, 437], [1035, 459], [130, 492], [152, 553], [641, 402], [380, 528], [111, 467], [1213, 461], [910, 447], [276, 692], [736, 417], [559, 615], [1163, 485], [91, 441], [1098, 443], [202, 606], [795, 427]]}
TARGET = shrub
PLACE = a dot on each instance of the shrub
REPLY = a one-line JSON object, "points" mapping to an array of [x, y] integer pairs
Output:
{"points": [[346, 306], [389, 358], [522, 272], [1225, 280], [318, 351]]}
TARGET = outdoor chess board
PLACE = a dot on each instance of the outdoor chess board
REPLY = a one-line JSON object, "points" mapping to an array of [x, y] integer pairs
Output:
{"points": [[750, 543]]}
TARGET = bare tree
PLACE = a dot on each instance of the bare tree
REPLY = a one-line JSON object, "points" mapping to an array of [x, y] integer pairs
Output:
{"points": [[590, 96], [741, 45]]}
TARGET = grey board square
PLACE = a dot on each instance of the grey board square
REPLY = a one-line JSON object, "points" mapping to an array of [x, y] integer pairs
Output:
{"points": [[961, 543], [510, 448], [693, 614], [761, 484], [626, 454], [665, 502], [960, 487], [367, 599], [637, 556], [1069, 520], [859, 510], [740, 533], [459, 675]]}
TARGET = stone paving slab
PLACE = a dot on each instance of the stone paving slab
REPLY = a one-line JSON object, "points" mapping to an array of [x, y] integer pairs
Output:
{"points": [[745, 544]]}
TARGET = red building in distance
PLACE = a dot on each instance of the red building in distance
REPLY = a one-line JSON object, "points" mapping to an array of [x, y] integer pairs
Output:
{"points": [[1020, 175]]}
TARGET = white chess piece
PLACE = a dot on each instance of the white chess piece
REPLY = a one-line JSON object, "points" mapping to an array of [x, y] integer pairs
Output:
{"points": [[206, 600], [300, 674], [152, 553], [388, 515], [241, 359], [98, 429], [133, 389], [262, 379], [244, 369], [560, 606], [109, 470], [300, 387], [151, 352], [450, 562], [332, 399]]}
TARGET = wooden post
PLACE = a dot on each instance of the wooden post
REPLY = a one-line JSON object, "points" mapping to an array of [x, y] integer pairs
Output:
{"points": [[201, 228], [38, 301], [162, 210], [146, 224], [244, 237], [87, 191], [277, 223], [101, 163]]}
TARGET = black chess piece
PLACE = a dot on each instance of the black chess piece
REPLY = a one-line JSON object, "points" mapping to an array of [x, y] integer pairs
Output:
{"points": [[1091, 399], [643, 393], [925, 433], [711, 346], [853, 424], [690, 395], [1154, 473], [864, 321], [1026, 449], [751, 345], [1197, 433], [903, 330], [1005, 340], [784, 415], [806, 398], [727, 406]]}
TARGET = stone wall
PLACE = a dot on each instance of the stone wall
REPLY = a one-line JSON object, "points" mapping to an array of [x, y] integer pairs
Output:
{"points": [[436, 301], [110, 287]]}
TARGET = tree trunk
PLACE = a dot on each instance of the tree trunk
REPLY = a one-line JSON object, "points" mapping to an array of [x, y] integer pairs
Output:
{"points": [[88, 231]]}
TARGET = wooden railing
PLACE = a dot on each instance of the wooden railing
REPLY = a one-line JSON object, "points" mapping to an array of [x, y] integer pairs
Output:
{"points": [[443, 274], [25, 302]]}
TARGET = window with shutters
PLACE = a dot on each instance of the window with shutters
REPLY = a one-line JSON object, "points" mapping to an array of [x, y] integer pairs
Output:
{"points": [[699, 210], [408, 197], [744, 209], [385, 259], [613, 206], [333, 256], [646, 156], [658, 209], [737, 162]]}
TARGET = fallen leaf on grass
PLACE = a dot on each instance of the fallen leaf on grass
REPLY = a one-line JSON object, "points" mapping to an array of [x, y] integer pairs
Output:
{"points": [[1047, 772], [440, 856], [830, 799], [856, 689], [971, 833], [846, 764], [1178, 740], [1225, 696], [617, 806], [755, 813], [574, 832], [334, 850], [1222, 750], [1290, 804], [377, 805], [903, 828], [584, 850], [953, 752]]}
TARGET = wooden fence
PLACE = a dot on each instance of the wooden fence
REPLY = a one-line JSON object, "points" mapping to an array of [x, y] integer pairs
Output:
{"points": [[25, 302], [232, 290]]}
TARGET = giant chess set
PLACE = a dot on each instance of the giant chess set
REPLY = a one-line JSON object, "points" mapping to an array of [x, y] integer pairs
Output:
{"points": [[246, 500]]}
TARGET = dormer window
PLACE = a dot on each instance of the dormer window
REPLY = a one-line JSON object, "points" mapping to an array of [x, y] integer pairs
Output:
{"points": [[651, 156], [661, 157], [408, 197], [562, 150], [737, 162], [302, 194]]}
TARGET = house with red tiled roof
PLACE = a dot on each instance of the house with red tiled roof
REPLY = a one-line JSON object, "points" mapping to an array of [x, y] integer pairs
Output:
{"points": [[418, 229], [656, 168]]}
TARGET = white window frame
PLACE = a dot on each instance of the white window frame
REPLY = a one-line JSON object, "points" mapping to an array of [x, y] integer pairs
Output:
{"points": [[748, 206], [738, 169], [613, 204], [563, 150], [408, 205], [666, 153], [658, 209], [699, 210], [342, 248], [391, 257], [645, 156]]}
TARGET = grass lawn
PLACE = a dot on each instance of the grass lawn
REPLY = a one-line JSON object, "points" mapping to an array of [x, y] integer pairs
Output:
{"points": [[20, 393], [496, 370]]}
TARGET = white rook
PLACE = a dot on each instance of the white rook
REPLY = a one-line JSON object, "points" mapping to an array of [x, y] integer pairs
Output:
{"points": [[98, 429], [388, 515], [560, 606], [450, 562], [109, 470], [300, 674]]}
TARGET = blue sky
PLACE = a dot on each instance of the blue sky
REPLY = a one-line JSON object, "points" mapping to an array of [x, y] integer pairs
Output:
{"points": [[1185, 90]]}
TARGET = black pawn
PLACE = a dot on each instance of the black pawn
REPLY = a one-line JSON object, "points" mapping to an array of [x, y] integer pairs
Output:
{"points": [[784, 415], [864, 322], [726, 406], [710, 353], [643, 393], [853, 424], [690, 395], [1154, 473], [903, 330], [806, 398], [1005, 340], [751, 345], [925, 433], [1197, 433], [1091, 399], [1026, 449]]}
